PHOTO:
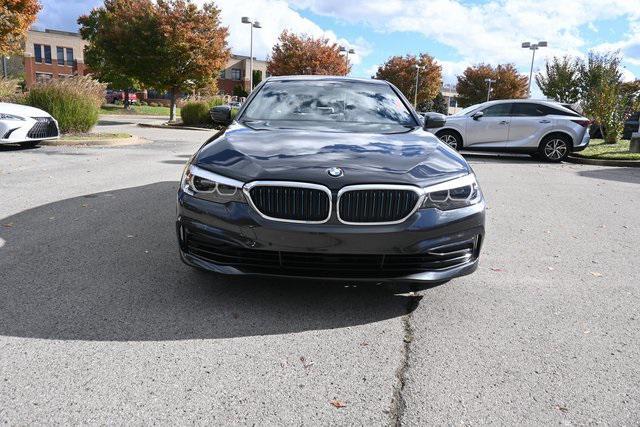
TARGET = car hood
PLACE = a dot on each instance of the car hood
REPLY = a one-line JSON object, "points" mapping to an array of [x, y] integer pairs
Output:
{"points": [[22, 110], [412, 157]]}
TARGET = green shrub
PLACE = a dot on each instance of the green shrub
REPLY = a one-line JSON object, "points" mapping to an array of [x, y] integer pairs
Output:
{"points": [[234, 113], [214, 102], [195, 113], [143, 103], [74, 102]]}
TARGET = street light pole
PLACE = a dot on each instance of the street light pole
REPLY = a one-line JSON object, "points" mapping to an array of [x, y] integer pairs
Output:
{"points": [[347, 52], [254, 24], [533, 47], [488, 80], [415, 94]]}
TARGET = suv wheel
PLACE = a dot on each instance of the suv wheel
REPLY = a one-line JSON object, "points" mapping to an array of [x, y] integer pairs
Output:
{"points": [[554, 148], [451, 139]]}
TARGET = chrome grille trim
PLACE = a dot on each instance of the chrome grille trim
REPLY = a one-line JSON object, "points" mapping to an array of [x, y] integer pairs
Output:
{"points": [[247, 192], [419, 192]]}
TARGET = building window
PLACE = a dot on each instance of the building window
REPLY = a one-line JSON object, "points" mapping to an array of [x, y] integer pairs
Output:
{"points": [[453, 102], [43, 77], [37, 49], [69, 56], [236, 74], [60, 55], [47, 54], [222, 74]]}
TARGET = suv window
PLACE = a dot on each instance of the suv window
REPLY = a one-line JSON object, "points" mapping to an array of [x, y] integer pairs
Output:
{"points": [[529, 109], [497, 110]]}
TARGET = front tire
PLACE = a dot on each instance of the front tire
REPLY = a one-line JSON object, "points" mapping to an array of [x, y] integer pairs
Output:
{"points": [[452, 139], [554, 148]]}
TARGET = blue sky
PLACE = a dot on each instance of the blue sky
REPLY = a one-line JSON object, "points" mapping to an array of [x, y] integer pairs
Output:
{"points": [[456, 32]]}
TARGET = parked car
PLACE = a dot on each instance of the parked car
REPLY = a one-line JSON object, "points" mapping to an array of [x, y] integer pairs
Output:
{"points": [[118, 96], [543, 128], [631, 125], [27, 126], [330, 177]]}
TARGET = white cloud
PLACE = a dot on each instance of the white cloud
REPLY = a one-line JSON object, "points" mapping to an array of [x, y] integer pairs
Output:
{"points": [[487, 32], [274, 17]]}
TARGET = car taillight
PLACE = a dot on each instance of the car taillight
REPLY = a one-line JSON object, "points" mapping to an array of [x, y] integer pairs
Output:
{"points": [[583, 123]]}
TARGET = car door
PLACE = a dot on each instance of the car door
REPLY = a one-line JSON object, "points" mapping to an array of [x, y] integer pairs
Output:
{"points": [[491, 129], [529, 123]]}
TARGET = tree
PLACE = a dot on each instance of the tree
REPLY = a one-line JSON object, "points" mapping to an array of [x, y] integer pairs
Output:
{"points": [[401, 71], [238, 90], [257, 77], [438, 104], [560, 81], [602, 95], [472, 87], [16, 16], [170, 45], [304, 54]]}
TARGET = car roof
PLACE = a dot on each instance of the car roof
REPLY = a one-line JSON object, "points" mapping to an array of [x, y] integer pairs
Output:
{"points": [[332, 78]]}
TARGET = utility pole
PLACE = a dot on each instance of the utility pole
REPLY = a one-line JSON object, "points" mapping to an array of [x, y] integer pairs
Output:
{"points": [[488, 80], [254, 24], [415, 94], [533, 47]]}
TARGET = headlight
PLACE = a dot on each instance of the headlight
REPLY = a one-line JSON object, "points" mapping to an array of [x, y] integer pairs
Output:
{"points": [[5, 116], [454, 194], [210, 186]]}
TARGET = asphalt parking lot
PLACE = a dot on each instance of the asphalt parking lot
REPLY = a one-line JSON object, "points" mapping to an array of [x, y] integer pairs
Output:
{"points": [[101, 323]]}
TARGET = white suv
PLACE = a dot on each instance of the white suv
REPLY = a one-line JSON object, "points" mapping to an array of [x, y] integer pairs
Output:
{"points": [[542, 128]]}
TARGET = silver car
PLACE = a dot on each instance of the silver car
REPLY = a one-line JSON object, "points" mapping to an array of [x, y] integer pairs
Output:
{"points": [[541, 128]]}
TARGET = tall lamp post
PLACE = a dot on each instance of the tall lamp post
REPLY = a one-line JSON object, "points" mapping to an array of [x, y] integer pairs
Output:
{"points": [[254, 24], [415, 93], [5, 67], [489, 81], [347, 52], [533, 47]]}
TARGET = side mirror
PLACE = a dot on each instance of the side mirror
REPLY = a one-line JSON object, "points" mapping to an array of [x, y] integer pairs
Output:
{"points": [[221, 115], [434, 120], [477, 115]]}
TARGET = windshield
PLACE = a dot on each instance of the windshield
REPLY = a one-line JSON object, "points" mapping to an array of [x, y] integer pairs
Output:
{"points": [[328, 102]]}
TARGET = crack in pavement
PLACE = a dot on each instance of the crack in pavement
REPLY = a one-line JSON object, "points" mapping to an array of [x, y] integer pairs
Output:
{"points": [[398, 403]]}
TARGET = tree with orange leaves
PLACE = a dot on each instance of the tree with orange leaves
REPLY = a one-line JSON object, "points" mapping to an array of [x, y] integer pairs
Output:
{"points": [[401, 71], [507, 83], [170, 45], [304, 54], [16, 16]]}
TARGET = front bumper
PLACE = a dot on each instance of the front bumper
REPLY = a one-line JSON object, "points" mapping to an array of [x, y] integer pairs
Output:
{"points": [[29, 129], [430, 246]]}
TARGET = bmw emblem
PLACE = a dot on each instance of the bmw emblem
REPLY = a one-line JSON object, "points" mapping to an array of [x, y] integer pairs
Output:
{"points": [[335, 172]]}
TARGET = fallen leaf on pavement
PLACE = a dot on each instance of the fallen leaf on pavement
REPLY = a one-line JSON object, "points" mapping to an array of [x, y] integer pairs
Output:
{"points": [[551, 268], [561, 408], [338, 404], [496, 269], [305, 363], [8, 225], [364, 344], [596, 274]]}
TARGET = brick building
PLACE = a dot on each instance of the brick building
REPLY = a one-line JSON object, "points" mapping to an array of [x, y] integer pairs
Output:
{"points": [[237, 73], [49, 54]]}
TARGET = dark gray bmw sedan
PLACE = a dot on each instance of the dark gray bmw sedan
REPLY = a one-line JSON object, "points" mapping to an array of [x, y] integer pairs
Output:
{"points": [[331, 178]]}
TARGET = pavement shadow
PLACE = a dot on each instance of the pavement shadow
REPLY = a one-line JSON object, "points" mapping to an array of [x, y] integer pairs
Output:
{"points": [[493, 157], [105, 267], [619, 174], [113, 123]]}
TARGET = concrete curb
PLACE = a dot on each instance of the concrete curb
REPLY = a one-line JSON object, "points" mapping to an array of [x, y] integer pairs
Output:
{"points": [[159, 126], [111, 142], [598, 162]]}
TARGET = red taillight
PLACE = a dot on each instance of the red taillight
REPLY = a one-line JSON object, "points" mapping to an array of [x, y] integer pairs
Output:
{"points": [[583, 123]]}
